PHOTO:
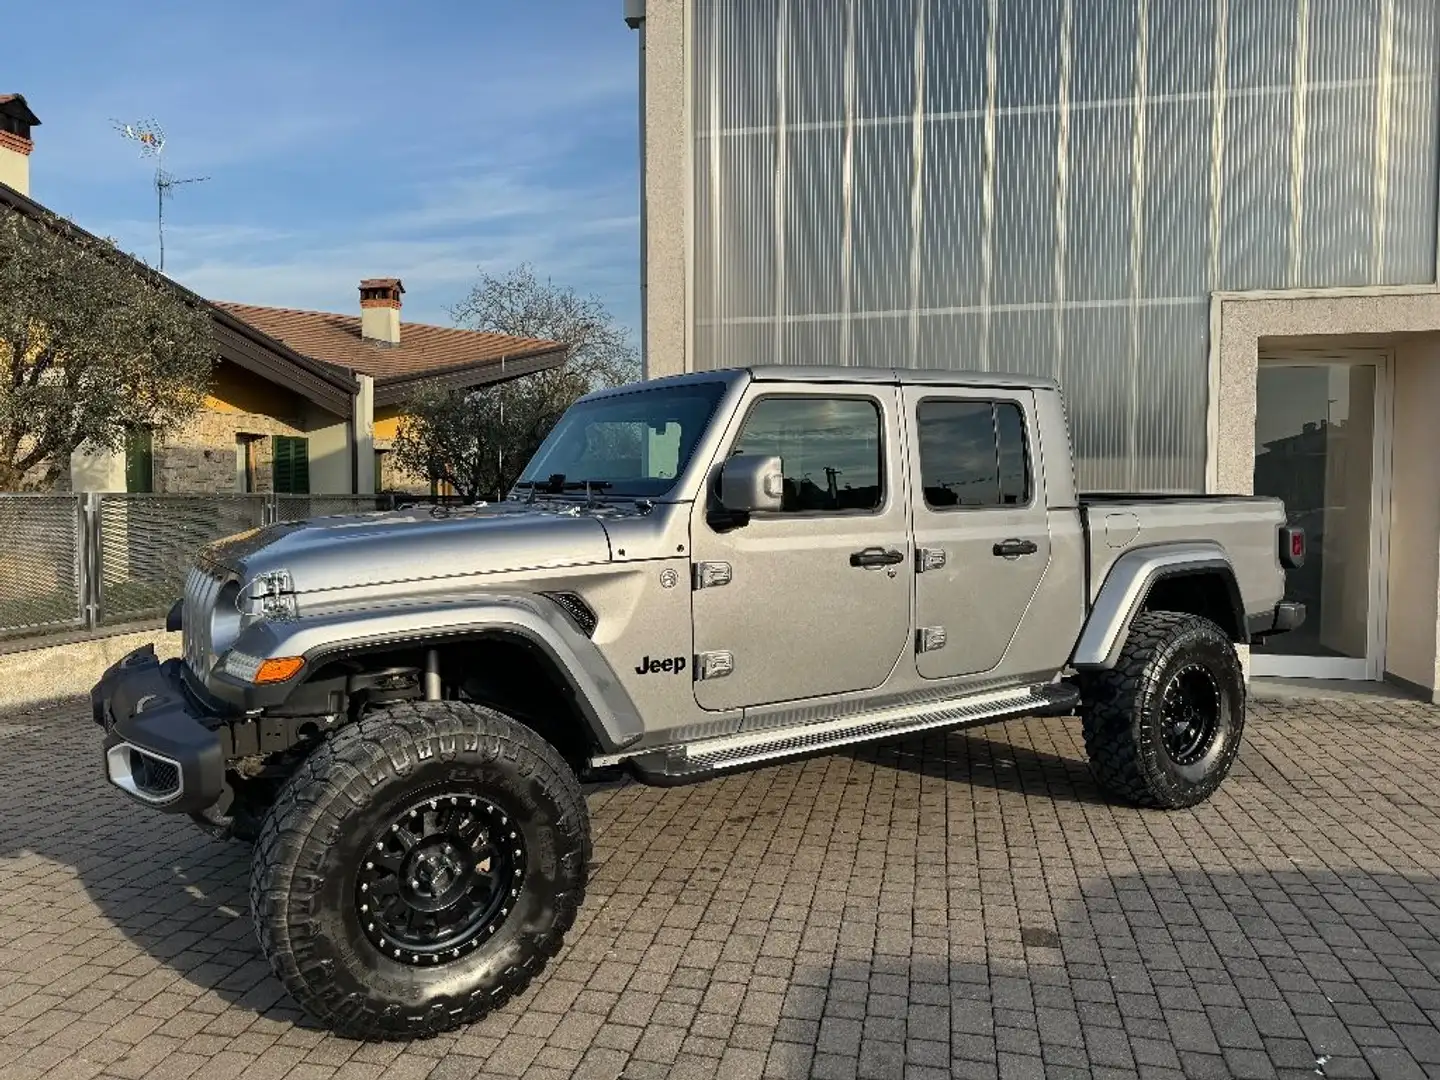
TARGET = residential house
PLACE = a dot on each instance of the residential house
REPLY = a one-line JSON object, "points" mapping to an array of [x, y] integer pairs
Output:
{"points": [[301, 401], [397, 357]]}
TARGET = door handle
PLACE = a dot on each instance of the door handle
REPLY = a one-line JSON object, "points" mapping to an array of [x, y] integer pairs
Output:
{"points": [[873, 557], [1009, 549]]}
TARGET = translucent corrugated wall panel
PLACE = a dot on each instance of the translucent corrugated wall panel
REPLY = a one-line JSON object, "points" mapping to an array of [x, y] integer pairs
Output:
{"points": [[1098, 205], [880, 266], [1406, 159], [1052, 186], [1097, 388], [1336, 217], [1175, 239], [814, 224], [952, 230], [1024, 233], [1170, 337]]}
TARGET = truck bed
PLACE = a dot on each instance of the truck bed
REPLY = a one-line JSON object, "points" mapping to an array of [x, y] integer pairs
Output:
{"points": [[1244, 525]]}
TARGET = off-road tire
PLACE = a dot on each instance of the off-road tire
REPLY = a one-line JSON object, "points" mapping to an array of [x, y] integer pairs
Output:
{"points": [[311, 846], [1121, 712]]}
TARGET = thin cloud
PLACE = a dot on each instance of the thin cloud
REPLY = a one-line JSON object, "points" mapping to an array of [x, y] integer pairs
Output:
{"points": [[431, 146]]}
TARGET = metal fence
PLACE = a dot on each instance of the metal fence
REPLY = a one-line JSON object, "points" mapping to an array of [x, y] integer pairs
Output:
{"points": [[42, 564], [88, 562]]}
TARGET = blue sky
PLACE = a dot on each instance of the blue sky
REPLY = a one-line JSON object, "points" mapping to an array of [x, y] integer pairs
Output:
{"points": [[347, 140]]}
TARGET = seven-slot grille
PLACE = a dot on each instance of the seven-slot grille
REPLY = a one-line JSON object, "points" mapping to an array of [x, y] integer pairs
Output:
{"points": [[202, 586]]}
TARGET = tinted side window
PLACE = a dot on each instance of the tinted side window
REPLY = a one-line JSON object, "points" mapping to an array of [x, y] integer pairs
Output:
{"points": [[972, 453], [830, 448]]}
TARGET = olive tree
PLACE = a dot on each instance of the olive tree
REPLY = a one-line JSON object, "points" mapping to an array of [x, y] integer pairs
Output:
{"points": [[478, 440], [92, 346]]}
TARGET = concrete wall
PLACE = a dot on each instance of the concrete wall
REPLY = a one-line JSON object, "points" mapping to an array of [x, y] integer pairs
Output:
{"points": [[1240, 320], [1414, 571], [363, 430], [665, 186], [54, 672], [97, 469], [388, 419], [204, 453]]}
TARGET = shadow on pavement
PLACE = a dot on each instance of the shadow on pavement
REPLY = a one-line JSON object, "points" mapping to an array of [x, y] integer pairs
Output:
{"points": [[992, 756]]}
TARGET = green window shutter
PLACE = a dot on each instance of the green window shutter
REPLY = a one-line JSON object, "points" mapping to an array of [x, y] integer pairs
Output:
{"points": [[140, 461], [280, 464], [300, 477], [291, 465]]}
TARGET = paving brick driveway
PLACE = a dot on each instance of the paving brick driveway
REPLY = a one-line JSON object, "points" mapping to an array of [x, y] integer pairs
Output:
{"points": [[959, 906]]}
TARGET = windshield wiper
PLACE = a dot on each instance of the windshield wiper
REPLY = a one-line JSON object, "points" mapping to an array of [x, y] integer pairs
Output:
{"points": [[556, 484]]}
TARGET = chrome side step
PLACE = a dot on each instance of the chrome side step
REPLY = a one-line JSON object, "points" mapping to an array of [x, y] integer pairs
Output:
{"points": [[705, 756]]}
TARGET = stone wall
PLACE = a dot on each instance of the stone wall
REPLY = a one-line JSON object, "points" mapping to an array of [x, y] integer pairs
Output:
{"points": [[390, 477], [189, 469], [201, 455]]}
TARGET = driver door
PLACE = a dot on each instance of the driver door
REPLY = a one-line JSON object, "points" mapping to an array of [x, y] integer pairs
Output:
{"points": [[817, 600]]}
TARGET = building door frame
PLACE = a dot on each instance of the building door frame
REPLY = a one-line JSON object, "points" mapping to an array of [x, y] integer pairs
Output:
{"points": [[1371, 667]]}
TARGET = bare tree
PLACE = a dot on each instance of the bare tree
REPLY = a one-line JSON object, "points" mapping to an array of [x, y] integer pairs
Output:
{"points": [[91, 348], [478, 440]]}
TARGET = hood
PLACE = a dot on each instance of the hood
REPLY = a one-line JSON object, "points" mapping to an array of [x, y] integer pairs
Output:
{"points": [[411, 545]]}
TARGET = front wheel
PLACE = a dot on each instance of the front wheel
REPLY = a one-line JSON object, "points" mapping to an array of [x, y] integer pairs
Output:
{"points": [[1162, 728], [419, 869]]}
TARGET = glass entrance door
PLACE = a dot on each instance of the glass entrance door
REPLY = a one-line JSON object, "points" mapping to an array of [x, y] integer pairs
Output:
{"points": [[1321, 445]]}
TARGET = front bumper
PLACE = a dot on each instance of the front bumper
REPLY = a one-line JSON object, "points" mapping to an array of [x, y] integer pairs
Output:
{"points": [[158, 748]]}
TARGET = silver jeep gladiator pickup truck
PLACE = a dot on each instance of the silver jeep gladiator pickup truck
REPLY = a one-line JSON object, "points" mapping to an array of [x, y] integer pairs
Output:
{"points": [[694, 575]]}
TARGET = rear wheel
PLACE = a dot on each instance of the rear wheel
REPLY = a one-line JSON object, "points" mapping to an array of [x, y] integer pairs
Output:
{"points": [[419, 869], [1162, 728]]}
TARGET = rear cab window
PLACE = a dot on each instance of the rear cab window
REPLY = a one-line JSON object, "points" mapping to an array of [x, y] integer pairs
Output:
{"points": [[973, 453]]}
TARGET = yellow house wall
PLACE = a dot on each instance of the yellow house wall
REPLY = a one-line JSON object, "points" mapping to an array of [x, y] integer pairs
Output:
{"points": [[388, 419]]}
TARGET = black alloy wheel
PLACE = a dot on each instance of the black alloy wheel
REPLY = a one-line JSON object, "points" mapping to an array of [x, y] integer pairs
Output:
{"points": [[440, 878], [1190, 711]]}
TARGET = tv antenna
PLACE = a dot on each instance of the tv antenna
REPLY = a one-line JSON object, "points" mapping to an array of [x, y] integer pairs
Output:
{"points": [[151, 137]]}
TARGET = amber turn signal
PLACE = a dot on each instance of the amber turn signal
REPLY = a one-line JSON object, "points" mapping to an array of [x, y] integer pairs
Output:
{"points": [[279, 669]]}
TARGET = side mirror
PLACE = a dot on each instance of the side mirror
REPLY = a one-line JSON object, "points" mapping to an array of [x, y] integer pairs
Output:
{"points": [[752, 482]]}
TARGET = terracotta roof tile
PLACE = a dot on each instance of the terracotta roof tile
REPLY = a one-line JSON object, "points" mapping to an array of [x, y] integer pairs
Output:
{"points": [[423, 349]]}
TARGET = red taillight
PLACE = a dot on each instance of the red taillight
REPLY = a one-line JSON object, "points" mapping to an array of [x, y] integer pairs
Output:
{"points": [[1292, 547]]}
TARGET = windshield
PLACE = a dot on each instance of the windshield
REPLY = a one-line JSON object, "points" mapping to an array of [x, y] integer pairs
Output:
{"points": [[629, 445]]}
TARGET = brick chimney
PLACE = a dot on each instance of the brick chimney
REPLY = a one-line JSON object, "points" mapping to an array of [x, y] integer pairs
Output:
{"points": [[380, 310], [16, 120]]}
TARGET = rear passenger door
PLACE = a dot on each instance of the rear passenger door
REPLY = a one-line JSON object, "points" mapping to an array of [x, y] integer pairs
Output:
{"points": [[981, 526]]}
